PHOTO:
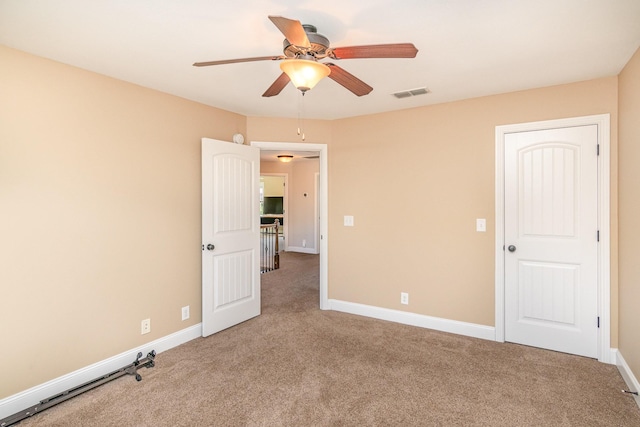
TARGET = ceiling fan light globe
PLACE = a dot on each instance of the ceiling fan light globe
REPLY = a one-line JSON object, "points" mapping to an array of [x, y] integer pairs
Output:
{"points": [[304, 73]]}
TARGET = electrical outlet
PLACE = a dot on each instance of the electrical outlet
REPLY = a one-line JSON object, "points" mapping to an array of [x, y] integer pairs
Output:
{"points": [[185, 312], [404, 298], [145, 326]]}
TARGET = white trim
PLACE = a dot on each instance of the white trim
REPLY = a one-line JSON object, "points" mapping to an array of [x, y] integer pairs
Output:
{"points": [[316, 213], [613, 356], [25, 399], [322, 151], [604, 206], [413, 319], [627, 375], [301, 250]]}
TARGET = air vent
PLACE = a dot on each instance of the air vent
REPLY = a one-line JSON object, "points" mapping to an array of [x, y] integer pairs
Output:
{"points": [[411, 92]]}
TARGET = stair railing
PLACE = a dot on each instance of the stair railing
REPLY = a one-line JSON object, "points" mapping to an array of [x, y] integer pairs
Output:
{"points": [[269, 247]]}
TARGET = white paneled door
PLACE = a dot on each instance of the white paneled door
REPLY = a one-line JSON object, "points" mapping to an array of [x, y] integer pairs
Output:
{"points": [[230, 234], [551, 238]]}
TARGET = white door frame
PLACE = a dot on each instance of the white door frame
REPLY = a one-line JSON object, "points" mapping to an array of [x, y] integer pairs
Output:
{"points": [[316, 213], [321, 149], [605, 353]]}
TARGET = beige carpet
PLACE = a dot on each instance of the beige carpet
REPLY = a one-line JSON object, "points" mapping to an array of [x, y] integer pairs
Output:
{"points": [[298, 366]]}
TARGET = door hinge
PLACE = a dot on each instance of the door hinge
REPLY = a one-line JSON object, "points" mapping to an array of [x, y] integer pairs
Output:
{"points": [[597, 149], [598, 321], [598, 235]]}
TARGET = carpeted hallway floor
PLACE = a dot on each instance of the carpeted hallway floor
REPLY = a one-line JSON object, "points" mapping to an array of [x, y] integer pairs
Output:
{"points": [[298, 366]]}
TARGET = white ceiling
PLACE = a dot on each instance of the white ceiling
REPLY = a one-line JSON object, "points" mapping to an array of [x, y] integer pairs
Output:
{"points": [[467, 48]]}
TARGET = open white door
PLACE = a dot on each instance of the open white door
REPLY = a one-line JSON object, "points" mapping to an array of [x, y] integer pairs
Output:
{"points": [[230, 234]]}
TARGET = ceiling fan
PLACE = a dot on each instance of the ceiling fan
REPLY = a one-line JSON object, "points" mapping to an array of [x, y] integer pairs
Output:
{"points": [[304, 47]]}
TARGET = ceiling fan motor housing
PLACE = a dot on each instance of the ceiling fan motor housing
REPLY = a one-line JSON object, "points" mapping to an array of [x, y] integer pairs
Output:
{"points": [[319, 44]]}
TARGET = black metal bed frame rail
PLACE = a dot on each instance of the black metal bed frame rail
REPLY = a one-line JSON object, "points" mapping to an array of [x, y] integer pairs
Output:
{"points": [[130, 369]]}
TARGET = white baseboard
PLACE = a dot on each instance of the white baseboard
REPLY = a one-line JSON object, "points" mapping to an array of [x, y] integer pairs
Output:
{"points": [[413, 319], [302, 250], [627, 375], [25, 399]]}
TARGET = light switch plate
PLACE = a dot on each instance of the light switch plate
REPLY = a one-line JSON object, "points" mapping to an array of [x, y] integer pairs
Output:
{"points": [[481, 224], [348, 220]]}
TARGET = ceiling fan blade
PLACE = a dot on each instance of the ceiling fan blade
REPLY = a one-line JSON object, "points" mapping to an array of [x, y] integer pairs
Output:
{"points": [[292, 30], [393, 50], [348, 80], [277, 86], [234, 61]]}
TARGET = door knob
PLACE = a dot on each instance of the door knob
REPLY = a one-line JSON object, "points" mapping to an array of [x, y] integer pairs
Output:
{"points": [[210, 247], [511, 248]]}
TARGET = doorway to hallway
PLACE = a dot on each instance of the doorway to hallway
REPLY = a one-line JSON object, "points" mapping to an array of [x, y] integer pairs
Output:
{"points": [[319, 150]]}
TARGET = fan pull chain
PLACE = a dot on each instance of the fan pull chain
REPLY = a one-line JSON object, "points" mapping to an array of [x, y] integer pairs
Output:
{"points": [[300, 121], [299, 102]]}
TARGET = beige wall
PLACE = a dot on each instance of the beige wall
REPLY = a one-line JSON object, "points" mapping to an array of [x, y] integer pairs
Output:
{"points": [[275, 167], [100, 208], [630, 213], [285, 130], [99, 215], [416, 180], [302, 208], [273, 185]]}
